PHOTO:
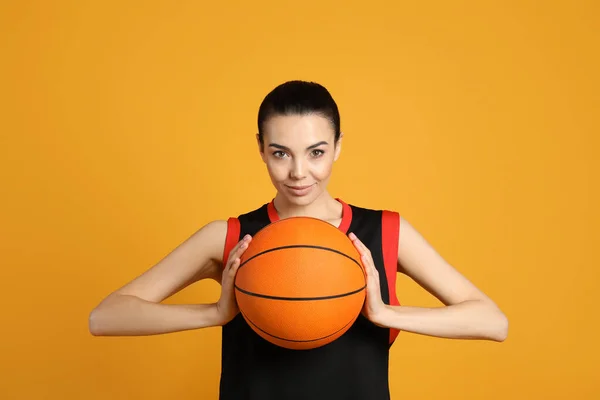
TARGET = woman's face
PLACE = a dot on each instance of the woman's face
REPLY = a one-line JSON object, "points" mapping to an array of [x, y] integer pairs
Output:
{"points": [[299, 152]]}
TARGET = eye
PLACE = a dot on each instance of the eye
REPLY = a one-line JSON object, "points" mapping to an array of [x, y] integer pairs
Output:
{"points": [[279, 154], [317, 153]]}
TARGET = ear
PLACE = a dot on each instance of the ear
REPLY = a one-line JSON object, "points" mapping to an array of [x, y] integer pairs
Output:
{"points": [[338, 147], [260, 148]]}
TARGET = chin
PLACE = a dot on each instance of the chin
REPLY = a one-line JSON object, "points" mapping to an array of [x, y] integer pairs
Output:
{"points": [[301, 201]]}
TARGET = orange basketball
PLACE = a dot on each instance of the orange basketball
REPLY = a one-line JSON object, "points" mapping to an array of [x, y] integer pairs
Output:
{"points": [[300, 284]]}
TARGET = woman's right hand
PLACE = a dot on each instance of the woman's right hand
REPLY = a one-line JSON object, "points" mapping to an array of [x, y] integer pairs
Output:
{"points": [[227, 307]]}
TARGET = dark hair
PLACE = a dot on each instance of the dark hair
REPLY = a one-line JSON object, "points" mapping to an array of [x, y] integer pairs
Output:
{"points": [[299, 98]]}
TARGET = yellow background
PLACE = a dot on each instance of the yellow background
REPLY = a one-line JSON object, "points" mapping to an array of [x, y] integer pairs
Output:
{"points": [[126, 126]]}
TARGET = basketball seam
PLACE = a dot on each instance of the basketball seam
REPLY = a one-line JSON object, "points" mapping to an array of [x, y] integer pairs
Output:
{"points": [[266, 296], [296, 246], [295, 340]]}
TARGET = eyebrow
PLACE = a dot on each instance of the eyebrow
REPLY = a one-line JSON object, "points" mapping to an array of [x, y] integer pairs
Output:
{"points": [[281, 147]]}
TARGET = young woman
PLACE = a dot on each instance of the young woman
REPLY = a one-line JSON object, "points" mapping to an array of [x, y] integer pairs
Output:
{"points": [[299, 140]]}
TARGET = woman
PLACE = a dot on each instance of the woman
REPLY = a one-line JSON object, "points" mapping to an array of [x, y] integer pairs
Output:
{"points": [[299, 140]]}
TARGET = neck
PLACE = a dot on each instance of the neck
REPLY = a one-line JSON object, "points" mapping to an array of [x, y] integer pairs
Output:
{"points": [[322, 207]]}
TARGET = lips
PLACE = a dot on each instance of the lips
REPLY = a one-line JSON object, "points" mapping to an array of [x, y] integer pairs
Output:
{"points": [[300, 191], [299, 187]]}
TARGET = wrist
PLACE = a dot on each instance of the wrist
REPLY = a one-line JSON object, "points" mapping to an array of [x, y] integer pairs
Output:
{"points": [[385, 317], [209, 315]]}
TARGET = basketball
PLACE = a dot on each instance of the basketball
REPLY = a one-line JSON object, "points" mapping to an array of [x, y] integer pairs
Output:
{"points": [[300, 283]]}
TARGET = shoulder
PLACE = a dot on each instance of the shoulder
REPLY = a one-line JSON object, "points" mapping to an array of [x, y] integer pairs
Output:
{"points": [[215, 227], [211, 237]]}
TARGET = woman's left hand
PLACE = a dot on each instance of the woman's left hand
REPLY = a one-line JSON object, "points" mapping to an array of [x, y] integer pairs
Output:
{"points": [[374, 307]]}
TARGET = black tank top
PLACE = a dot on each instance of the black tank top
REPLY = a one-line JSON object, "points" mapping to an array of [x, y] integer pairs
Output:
{"points": [[353, 367]]}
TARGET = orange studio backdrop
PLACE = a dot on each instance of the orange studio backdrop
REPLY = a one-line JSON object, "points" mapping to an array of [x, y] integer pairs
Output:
{"points": [[126, 126]]}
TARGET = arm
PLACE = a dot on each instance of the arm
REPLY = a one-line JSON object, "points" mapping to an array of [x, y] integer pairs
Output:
{"points": [[136, 309], [467, 312]]}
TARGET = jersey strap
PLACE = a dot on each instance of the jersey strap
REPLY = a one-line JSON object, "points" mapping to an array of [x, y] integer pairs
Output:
{"points": [[390, 227], [233, 237]]}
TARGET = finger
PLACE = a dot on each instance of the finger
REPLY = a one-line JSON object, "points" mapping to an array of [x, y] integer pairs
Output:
{"points": [[242, 248], [229, 275], [357, 243], [365, 256], [364, 250], [235, 251], [227, 268], [237, 246], [368, 264], [234, 267]]}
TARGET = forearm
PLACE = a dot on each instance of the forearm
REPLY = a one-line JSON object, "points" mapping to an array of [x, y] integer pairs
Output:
{"points": [[124, 315], [468, 320]]}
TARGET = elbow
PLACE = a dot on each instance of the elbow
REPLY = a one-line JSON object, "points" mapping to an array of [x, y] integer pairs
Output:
{"points": [[94, 323], [492, 322], [101, 317], [499, 331], [105, 319], [504, 329]]}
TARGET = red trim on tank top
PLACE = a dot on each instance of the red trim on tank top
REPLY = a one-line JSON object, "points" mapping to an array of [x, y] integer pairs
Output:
{"points": [[273, 216], [233, 236], [346, 216], [344, 225], [390, 231]]}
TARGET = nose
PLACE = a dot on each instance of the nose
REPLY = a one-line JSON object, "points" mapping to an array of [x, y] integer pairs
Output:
{"points": [[298, 170]]}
